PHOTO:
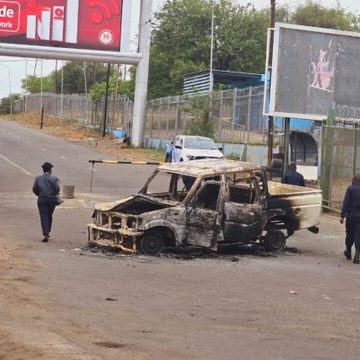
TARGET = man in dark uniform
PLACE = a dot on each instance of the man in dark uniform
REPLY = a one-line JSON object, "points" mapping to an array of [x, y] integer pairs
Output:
{"points": [[351, 211], [46, 187], [293, 177]]}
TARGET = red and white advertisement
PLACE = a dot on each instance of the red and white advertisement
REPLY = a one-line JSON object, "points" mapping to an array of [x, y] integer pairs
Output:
{"points": [[79, 24]]}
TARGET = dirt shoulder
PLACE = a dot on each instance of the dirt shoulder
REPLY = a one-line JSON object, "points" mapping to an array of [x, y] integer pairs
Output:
{"points": [[21, 312]]}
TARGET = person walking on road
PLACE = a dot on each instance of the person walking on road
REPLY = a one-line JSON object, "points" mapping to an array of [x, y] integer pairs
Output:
{"points": [[46, 187], [351, 211], [293, 177]]}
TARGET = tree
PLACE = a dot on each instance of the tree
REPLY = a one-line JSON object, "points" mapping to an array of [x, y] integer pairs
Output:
{"points": [[201, 122], [181, 41], [314, 14], [75, 73], [7, 103], [34, 84], [181, 37]]}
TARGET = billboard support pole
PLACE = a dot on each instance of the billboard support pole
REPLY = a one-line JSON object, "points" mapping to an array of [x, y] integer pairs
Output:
{"points": [[286, 145], [142, 72], [271, 119]]}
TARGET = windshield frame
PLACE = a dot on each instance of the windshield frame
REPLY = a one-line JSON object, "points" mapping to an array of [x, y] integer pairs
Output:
{"points": [[202, 144]]}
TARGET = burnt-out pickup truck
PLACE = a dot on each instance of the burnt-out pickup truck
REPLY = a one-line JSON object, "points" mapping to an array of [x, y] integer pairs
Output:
{"points": [[206, 203]]}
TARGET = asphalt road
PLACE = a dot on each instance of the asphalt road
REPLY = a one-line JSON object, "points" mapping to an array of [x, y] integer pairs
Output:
{"points": [[61, 301]]}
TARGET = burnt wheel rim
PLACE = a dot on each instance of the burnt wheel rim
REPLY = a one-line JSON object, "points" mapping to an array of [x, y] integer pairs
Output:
{"points": [[152, 244], [275, 241]]}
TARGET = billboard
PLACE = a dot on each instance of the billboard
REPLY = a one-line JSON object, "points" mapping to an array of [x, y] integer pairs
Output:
{"points": [[314, 71], [66, 29]]}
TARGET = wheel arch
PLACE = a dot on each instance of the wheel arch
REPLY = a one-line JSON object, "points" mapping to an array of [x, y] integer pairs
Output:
{"points": [[282, 222], [167, 233], [178, 232]]}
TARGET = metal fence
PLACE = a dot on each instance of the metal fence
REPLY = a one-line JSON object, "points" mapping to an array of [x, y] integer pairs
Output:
{"points": [[340, 161], [236, 113], [80, 108]]}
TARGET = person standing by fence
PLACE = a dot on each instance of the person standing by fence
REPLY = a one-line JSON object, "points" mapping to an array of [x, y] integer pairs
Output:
{"points": [[293, 177], [351, 211], [46, 187]]}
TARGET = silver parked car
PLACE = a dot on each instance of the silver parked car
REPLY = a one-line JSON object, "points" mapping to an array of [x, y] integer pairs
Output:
{"points": [[187, 147]]}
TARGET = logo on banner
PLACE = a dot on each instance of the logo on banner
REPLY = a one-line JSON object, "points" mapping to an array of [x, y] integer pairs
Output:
{"points": [[106, 37], [9, 16], [55, 23]]}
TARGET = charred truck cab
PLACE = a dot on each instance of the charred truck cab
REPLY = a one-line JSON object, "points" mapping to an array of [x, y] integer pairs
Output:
{"points": [[205, 203]]}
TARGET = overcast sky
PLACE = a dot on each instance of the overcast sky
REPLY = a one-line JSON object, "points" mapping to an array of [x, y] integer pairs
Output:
{"points": [[17, 67], [347, 4]]}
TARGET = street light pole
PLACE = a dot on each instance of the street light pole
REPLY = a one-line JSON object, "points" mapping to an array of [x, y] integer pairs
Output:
{"points": [[10, 93], [211, 78]]}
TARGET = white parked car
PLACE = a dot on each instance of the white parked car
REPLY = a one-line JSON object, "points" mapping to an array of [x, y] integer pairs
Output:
{"points": [[187, 147]]}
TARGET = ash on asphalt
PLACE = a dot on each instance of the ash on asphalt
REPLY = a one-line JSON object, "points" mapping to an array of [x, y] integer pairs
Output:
{"points": [[225, 252]]}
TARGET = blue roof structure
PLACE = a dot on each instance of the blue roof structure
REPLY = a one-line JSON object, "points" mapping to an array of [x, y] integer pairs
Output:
{"points": [[200, 81]]}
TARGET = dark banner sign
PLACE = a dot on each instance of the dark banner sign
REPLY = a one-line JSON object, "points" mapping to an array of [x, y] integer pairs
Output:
{"points": [[78, 24], [315, 71]]}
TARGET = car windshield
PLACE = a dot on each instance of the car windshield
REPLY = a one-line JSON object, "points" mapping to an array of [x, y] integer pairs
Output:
{"points": [[200, 144], [169, 186]]}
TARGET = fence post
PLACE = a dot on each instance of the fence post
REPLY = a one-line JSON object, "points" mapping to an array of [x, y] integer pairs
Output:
{"points": [[167, 118], [42, 117], [178, 117], [248, 116], [234, 109], [220, 116], [152, 118]]}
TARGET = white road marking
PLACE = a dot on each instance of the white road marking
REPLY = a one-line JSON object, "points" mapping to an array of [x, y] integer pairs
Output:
{"points": [[16, 165], [43, 149], [63, 157], [29, 142]]}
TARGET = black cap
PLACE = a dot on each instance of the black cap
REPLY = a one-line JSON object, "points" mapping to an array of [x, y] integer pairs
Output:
{"points": [[47, 166]]}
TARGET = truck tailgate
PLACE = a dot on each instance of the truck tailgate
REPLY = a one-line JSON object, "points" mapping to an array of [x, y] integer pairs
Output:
{"points": [[300, 204]]}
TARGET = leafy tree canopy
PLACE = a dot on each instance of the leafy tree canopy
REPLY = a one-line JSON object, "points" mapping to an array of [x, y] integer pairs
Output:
{"points": [[181, 41], [182, 32], [80, 78], [34, 84], [314, 14], [7, 103]]}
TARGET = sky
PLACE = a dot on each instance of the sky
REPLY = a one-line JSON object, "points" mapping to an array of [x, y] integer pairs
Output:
{"points": [[17, 68]]}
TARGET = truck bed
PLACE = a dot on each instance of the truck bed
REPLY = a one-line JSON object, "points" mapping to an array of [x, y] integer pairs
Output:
{"points": [[299, 205], [279, 189]]}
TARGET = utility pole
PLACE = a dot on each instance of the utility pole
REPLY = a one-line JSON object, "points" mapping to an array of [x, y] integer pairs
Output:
{"points": [[106, 99], [271, 119], [211, 78]]}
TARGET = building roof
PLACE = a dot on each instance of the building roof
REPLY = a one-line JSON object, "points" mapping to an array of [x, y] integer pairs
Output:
{"points": [[200, 81]]}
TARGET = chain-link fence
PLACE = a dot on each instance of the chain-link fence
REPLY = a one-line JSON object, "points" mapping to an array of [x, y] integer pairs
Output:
{"points": [[80, 108], [236, 113], [340, 160]]}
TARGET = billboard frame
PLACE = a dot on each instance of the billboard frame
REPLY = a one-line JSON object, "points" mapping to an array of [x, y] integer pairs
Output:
{"points": [[54, 53], [275, 62]]}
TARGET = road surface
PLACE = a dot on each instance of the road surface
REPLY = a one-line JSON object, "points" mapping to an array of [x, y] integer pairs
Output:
{"points": [[62, 301]]}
